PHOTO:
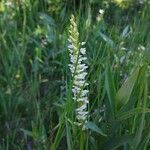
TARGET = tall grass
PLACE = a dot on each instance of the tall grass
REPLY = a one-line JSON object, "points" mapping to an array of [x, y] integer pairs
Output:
{"points": [[36, 106]]}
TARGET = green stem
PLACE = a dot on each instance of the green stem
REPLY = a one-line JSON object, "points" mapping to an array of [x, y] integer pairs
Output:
{"points": [[82, 140]]}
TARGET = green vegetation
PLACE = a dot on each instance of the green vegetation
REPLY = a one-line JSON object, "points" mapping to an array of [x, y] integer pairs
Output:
{"points": [[36, 106]]}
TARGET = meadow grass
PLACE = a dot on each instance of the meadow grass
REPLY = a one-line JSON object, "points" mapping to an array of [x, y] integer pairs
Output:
{"points": [[36, 106]]}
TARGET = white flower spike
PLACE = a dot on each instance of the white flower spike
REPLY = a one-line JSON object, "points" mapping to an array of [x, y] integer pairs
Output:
{"points": [[78, 70]]}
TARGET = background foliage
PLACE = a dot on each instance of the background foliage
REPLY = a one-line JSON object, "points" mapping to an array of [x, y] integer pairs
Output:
{"points": [[36, 109]]}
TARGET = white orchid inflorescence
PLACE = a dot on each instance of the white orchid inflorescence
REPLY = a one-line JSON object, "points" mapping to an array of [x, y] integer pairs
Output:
{"points": [[78, 70]]}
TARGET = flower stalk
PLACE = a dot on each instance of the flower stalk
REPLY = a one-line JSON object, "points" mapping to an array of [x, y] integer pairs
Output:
{"points": [[77, 54]]}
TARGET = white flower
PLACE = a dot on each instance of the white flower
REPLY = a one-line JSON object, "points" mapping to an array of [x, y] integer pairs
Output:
{"points": [[83, 43], [101, 11], [83, 51], [70, 46], [100, 15], [78, 70], [141, 48], [8, 3]]}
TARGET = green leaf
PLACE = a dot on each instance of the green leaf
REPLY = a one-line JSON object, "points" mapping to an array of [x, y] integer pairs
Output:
{"points": [[27, 132], [94, 127], [107, 39], [126, 31], [124, 93], [147, 56], [58, 137], [110, 88], [68, 136], [47, 19], [115, 142], [145, 138], [131, 113]]}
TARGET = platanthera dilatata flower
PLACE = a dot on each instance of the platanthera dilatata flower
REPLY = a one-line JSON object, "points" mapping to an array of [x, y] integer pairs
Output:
{"points": [[78, 68]]}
